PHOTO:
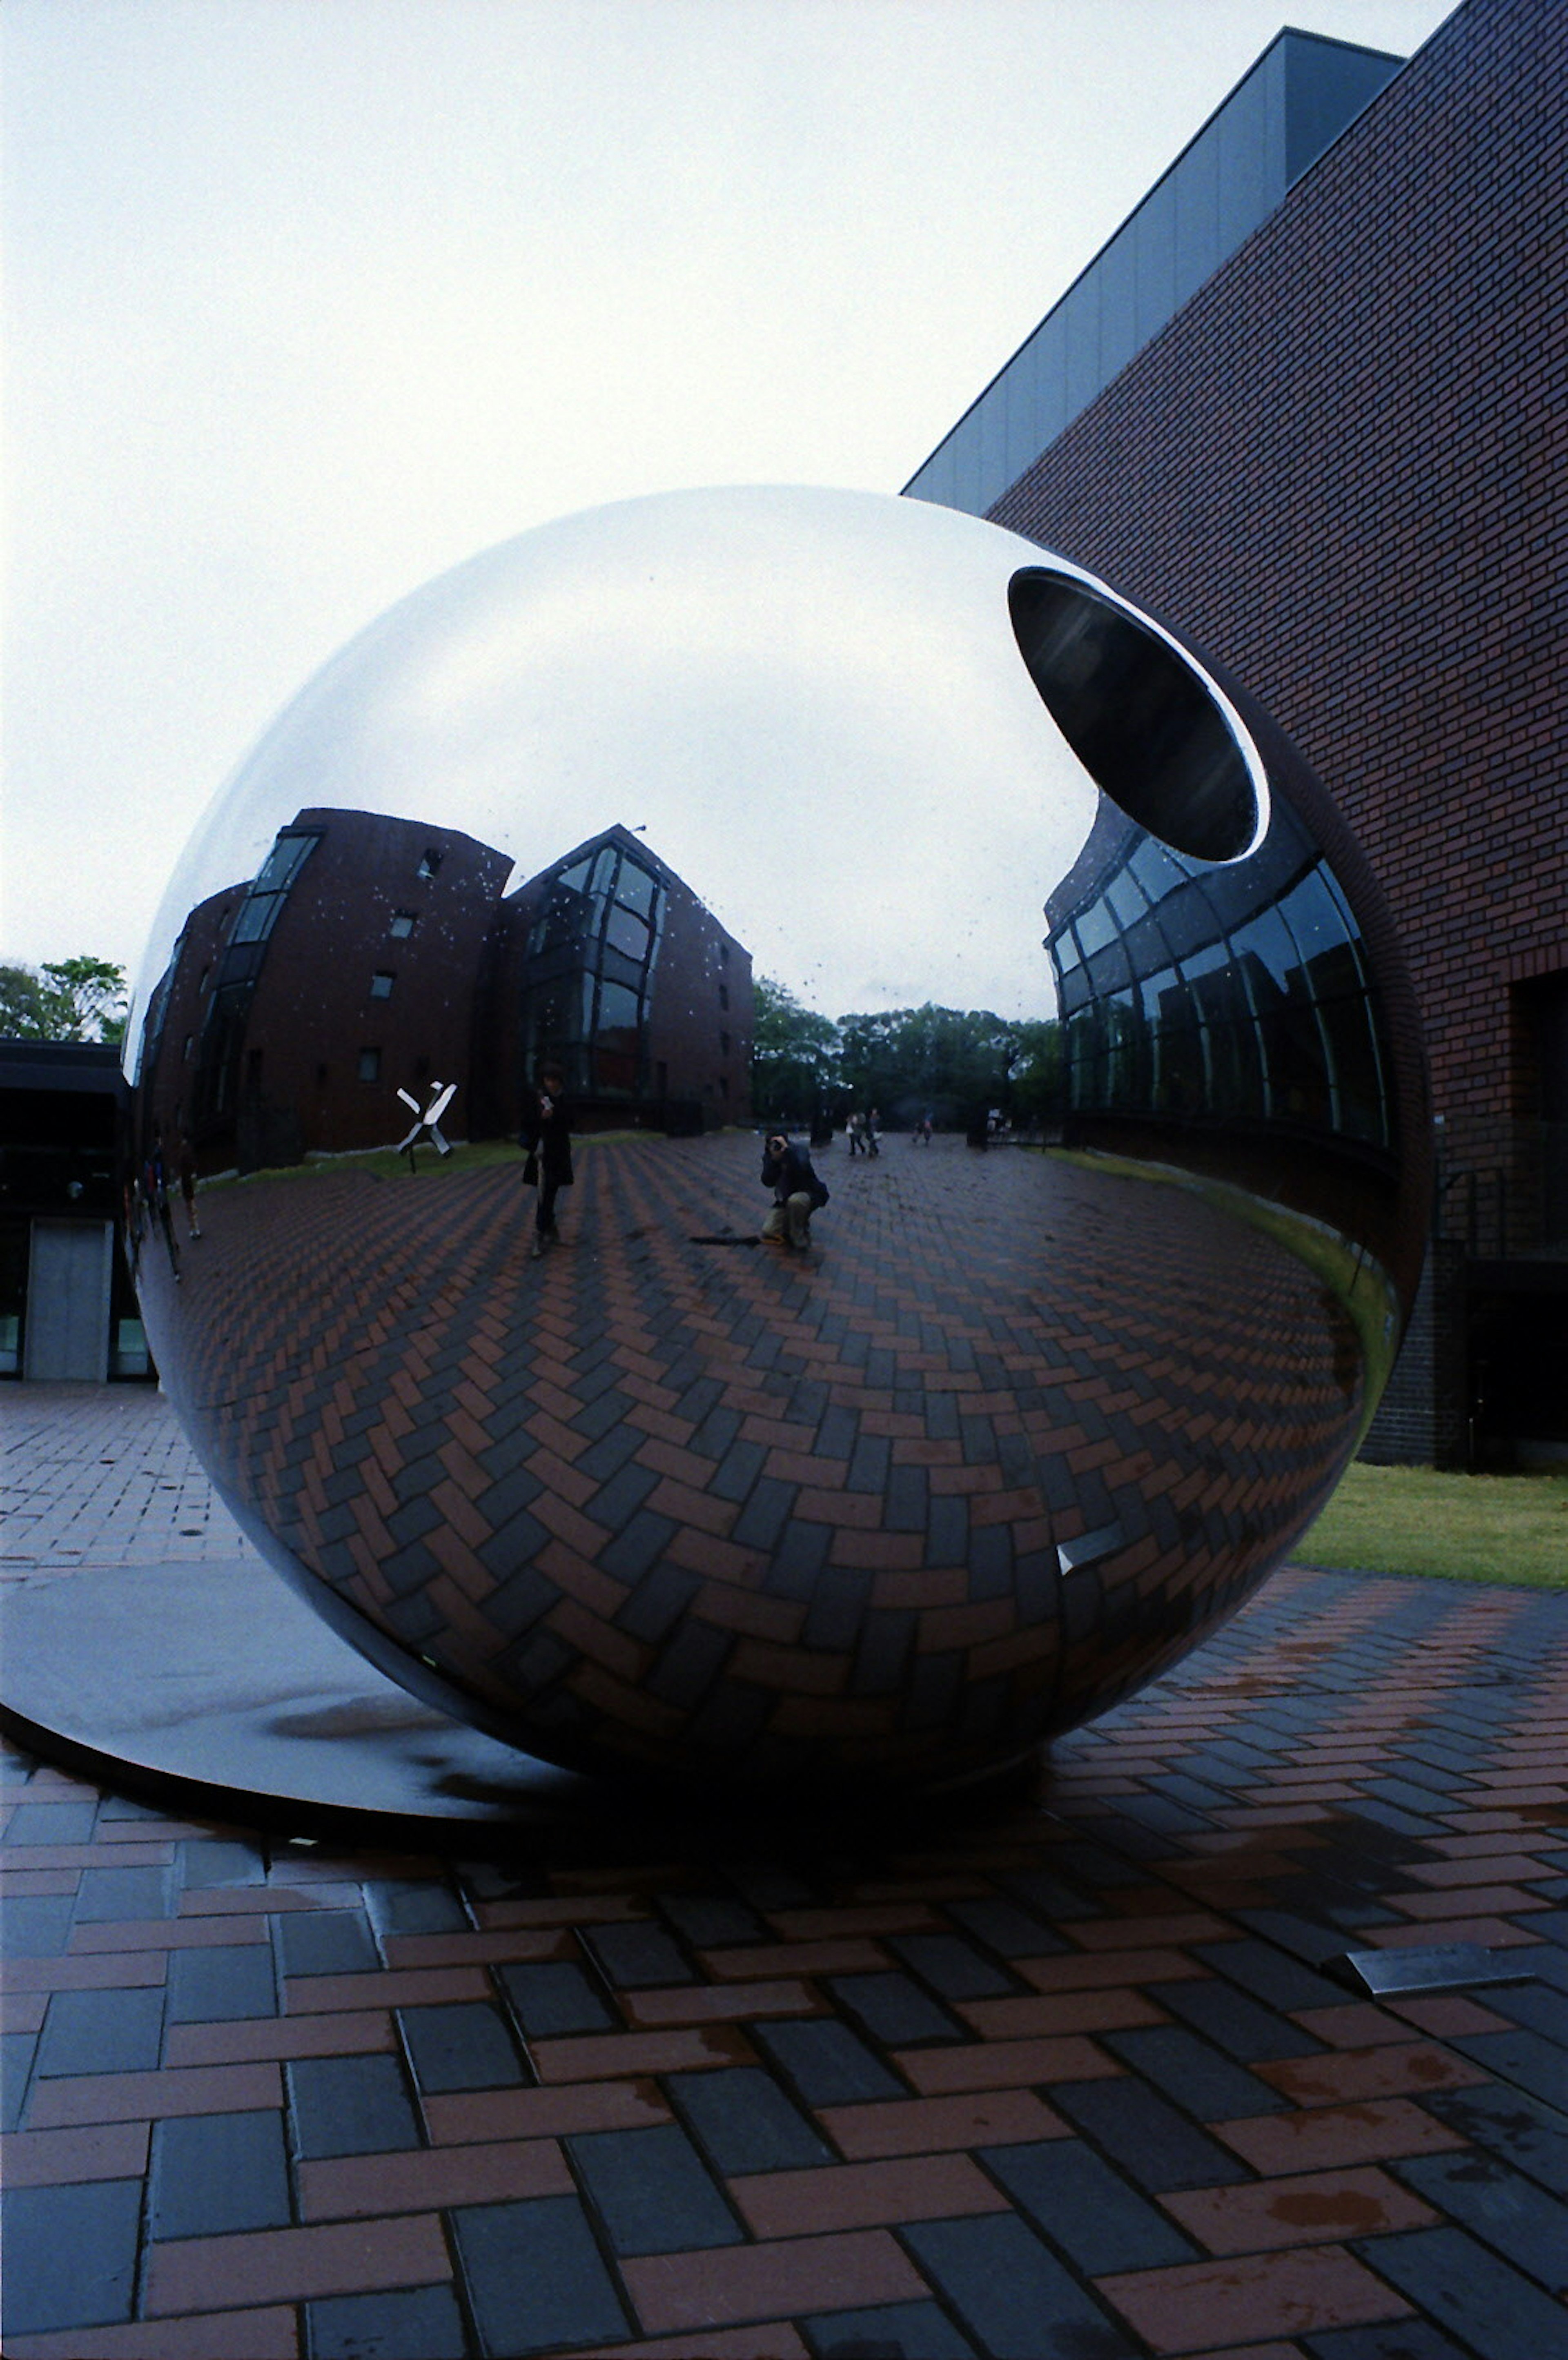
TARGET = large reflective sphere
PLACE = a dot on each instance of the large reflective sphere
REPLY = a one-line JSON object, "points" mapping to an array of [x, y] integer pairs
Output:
{"points": [[760, 812]]}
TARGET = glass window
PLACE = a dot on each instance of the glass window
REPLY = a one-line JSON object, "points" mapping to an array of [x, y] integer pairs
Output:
{"points": [[618, 1008], [626, 933], [403, 924], [1094, 926], [369, 1065], [636, 887], [1156, 869], [574, 879], [431, 862], [283, 863], [1126, 899], [256, 912], [1313, 916], [381, 985]]}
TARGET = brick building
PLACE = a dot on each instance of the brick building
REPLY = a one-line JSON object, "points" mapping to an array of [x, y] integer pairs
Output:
{"points": [[1337, 465]]}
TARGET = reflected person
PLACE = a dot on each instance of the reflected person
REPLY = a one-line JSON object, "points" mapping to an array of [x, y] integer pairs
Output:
{"points": [[546, 1134], [797, 1191]]}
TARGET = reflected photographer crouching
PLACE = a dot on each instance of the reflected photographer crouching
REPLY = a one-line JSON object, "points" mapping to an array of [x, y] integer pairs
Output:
{"points": [[797, 1191]]}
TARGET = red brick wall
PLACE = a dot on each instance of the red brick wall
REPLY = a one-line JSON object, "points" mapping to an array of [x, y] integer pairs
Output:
{"points": [[1339, 470]]}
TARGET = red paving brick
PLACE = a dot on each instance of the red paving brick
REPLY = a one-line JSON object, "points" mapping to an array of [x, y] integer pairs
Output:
{"points": [[1321, 2136], [1307, 2209], [56, 2158], [921, 2126], [865, 2195], [422, 2179], [1382, 2072], [270, 2333], [294, 2265], [1179, 2310], [766, 2281]]}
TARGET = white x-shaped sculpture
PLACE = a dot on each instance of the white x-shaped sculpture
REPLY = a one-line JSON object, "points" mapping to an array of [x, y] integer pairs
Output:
{"points": [[441, 1096]]}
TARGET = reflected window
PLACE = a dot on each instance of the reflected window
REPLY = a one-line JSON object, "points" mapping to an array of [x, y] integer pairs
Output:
{"points": [[369, 1067], [430, 864], [381, 985], [1241, 990], [402, 925]]}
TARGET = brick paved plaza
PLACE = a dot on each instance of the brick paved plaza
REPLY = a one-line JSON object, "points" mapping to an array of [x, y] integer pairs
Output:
{"points": [[1060, 2075]]}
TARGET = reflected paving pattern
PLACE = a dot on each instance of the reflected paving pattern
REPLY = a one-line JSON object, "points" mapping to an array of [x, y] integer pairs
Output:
{"points": [[719, 814], [903, 1506]]}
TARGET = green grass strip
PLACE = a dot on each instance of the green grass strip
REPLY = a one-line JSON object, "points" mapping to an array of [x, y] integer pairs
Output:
{"points": [[1505, 1528]]}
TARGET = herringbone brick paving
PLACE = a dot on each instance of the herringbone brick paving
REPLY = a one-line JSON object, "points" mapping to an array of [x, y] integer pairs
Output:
{"points": [[1060, 2075], [616, 1478]]}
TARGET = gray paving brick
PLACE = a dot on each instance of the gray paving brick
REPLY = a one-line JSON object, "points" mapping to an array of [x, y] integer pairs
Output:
{"points": [[1392, 2339], [101, 2032], [637, 1957], [711, 1921], [69, 2255], [50, 1823], [1011, 2292], [463, 2047], [1465, 2287], [652, 2192], [1528, 2059], [222, 1983], [350, 2106], [105, 1894], [203, 1863], [1502, 2208], [1154, 2145], [1202, 2079], [1087, 2210], [894, 2329], [553, 1999], [1241, 2026], [413, 2324], [824, 2062], [1283, 1982], [413, 1906], [894, 2010], [325, 1943], [951, 1966], [743, 2121], [1509, 2122], [214, 2174], [535, 2277]]}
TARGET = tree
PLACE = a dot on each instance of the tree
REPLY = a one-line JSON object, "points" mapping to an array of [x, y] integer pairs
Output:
{"points": [[795, 1056], [65, 999]]}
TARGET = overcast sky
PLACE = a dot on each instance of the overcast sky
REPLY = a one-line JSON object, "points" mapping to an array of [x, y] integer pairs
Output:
{"points": [[306, 300]]}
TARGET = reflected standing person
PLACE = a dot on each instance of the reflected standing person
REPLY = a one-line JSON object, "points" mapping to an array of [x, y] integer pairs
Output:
{"points": [[546, 1134]]}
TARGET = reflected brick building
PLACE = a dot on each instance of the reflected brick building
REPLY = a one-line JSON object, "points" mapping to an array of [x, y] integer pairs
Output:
{"points": [[371, 956], [1307, 406]]}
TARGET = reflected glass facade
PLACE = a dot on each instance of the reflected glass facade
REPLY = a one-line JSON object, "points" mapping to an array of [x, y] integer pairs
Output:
{"points": [[1191, 992], [589, 975]]}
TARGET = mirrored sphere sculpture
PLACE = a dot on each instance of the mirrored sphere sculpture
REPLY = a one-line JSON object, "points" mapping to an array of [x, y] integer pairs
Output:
{"points": [[761, 813]]}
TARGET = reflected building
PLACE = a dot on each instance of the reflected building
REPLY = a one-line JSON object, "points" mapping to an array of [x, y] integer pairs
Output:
{"points": [[608, 964], [371, 956]]}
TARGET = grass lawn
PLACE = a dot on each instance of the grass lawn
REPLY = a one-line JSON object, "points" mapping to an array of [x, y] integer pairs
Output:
{"points": [[1461, 1527]]}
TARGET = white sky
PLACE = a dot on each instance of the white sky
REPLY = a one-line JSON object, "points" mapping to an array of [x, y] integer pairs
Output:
{"points": [[306, 300]]}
